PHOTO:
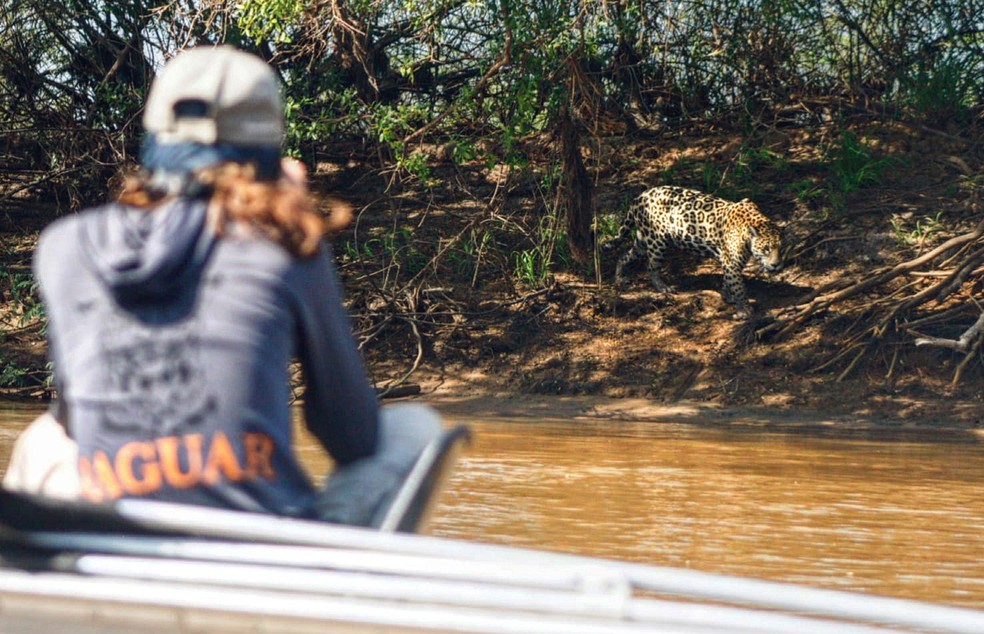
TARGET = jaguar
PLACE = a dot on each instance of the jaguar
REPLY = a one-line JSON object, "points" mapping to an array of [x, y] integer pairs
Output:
{"points": [[732, 232]]}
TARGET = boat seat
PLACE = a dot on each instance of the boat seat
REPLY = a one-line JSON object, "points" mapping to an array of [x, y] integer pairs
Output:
{"points": [[414, 502]]}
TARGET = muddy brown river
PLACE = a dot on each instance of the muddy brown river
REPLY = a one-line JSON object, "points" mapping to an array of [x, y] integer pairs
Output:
{"points": [[889, 515]]}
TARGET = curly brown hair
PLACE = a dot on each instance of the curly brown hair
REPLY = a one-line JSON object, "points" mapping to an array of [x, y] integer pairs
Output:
{"points": [[279, 210]]}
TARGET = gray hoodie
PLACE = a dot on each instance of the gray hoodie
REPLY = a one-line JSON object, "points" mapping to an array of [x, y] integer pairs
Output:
{"points": [[171, 351]]}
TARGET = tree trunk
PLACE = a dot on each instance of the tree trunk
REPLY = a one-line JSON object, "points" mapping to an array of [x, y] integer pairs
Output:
{"points": [[575, 192]]}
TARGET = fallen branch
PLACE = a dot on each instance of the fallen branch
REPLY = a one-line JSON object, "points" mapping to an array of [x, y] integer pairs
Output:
{"points": [[962, 344], [837, 291], [390, 389], [9, 195]]}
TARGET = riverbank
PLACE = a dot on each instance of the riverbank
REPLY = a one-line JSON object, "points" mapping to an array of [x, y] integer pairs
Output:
{"points": [[461, 286], [474, 395], [954, 420]]}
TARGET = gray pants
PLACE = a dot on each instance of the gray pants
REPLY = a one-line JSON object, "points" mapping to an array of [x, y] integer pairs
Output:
{"points": [[360, 493]]}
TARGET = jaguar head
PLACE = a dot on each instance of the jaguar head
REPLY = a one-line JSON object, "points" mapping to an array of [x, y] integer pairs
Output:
{"points": [[766, 246]]}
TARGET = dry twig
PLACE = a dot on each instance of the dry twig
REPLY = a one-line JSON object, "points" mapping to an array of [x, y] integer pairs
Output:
{"points": [[961, 344]]}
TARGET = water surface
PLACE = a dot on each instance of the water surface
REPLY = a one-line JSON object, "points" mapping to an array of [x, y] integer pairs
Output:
{"points": [[893, 516]]}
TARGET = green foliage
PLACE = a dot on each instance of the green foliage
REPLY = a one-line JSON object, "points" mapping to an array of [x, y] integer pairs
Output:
{"points": [[943, 91], [466, 259], [607, 226], [23, 307], [714, 180], [401, 247], [909, 235], [808, 190], [752, 159], [483, 73], [463, 149], [268, 20], [23, 299], [853, 165], [397, 250], [12, 374], [315, 115], [532, 267], [393, 123], [740, 177]]}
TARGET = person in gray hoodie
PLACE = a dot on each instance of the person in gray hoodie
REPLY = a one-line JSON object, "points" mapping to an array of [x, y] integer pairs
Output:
{"points": [[174, 314]]}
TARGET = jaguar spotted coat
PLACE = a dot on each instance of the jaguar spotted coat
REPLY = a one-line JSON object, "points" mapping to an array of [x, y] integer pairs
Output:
{"points": [[731, 232]]}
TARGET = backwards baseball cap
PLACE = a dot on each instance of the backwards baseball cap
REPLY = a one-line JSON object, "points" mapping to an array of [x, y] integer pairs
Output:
{"points": [[216, 95]]}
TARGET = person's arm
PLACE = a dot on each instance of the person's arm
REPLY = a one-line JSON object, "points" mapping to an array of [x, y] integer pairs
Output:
{"points": [[46, 267], [340, 406]]}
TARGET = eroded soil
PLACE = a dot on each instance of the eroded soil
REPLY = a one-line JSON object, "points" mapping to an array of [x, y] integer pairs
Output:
{"points": [[475, 334]]}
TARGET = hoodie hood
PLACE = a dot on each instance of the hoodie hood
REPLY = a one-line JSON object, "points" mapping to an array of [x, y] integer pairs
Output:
{"points": [[147, 256]]}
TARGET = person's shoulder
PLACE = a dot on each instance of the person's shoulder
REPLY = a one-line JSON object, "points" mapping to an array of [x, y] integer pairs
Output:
{"points": [[61, 237], [304, 275], [58, 228], [316, 264], [250, 248], [265, 252], [57, 237], [69, 225], [311, 274]]}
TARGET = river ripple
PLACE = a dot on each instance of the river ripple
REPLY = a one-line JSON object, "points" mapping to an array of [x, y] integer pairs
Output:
{"points": [[899, 517]]}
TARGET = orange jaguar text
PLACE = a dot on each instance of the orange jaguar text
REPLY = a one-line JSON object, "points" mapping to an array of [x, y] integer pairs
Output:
{"points": [[181, 462]]}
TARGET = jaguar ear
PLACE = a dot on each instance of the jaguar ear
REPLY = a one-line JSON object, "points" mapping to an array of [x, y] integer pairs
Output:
{"points": [[753, 231]]}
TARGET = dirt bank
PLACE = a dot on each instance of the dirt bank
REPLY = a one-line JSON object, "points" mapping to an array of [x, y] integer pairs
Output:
{"points": [[440, 302], [639, 354], [460, 405]]}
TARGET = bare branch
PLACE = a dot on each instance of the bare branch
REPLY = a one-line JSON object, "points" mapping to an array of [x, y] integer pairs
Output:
{"points": [[961, 344]]}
